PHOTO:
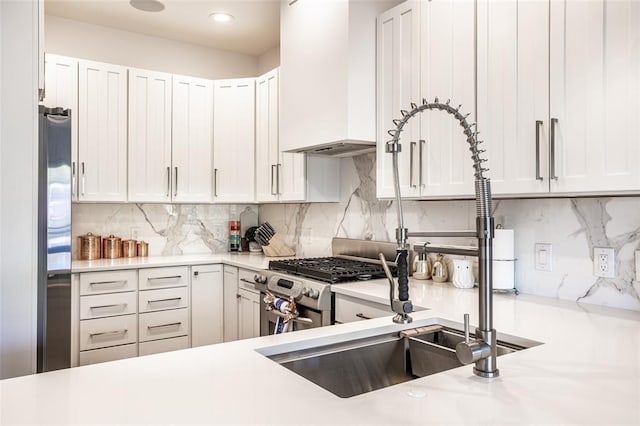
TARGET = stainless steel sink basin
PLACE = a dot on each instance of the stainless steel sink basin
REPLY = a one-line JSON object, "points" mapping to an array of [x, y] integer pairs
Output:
{"points": [[354, 367]]}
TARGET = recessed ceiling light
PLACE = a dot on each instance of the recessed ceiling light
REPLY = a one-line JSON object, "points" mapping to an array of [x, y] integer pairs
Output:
{"points": [[147, 5], [221, 17]]}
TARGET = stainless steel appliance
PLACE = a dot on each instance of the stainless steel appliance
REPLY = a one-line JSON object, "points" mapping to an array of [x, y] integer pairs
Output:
{"points": [[309, 281], [54, 239]]}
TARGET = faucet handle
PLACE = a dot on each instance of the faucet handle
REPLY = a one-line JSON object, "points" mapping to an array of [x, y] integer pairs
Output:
{"points": [[466, 329]]}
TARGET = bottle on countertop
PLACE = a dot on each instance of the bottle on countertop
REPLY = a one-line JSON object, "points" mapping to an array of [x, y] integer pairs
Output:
{"points": [[439, 271]]}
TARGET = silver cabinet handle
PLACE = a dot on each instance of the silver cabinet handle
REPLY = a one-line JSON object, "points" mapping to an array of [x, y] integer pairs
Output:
{"points": [[83, 183], [552, 160], [115, 305], [244, 280], [363, 316], [171, 299], [120, 282], [173, 277], [215, 182], [175, 191], [238, 296], [420, 154], [168, 181], [108, 333], [273, 180], [538, 131], [73, 178], [171, 324], [411, 149], [278, 167]]}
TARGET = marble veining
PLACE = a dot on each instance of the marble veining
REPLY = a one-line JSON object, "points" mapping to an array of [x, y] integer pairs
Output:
{"points": [[572, 225]]}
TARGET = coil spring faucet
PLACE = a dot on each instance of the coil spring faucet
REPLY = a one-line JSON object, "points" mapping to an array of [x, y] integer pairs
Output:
{"points": [[481, 350]]}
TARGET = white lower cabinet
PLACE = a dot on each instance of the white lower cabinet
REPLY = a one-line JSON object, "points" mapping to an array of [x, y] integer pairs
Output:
{"points": [[248, 314], [108, 354], [349, 309], [103, 332], [164, 345], [230, 297], [206, 305], [242, 304], [163, 324]]}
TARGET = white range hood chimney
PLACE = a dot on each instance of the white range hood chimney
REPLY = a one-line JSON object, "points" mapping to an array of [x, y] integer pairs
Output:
{"points": [[328, 76]]}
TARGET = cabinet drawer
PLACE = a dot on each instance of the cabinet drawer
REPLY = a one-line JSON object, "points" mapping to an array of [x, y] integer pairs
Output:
{"points": [[151, 278], [108, 354], [103, 332], [349, 309], [163, 324], [164, 345], [107, 305], [245, 278], [163, 299], [108, 282]]}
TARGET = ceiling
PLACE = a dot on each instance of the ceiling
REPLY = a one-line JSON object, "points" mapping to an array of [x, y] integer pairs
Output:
{"points": [[255, 30]]}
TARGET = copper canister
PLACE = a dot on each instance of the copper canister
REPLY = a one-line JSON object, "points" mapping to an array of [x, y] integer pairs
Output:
{"points": [[89, 246], [129, 248], [111, 247], [143, 249]]}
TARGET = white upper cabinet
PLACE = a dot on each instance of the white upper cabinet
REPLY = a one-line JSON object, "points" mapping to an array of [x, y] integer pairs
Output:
{"points": [[149, 136], [234, 140], [192, 135], [102, 132], [398, 80], [595, 96], [447, 72], [61, 81], [513, 94], [426, 50], [327, 56], [280, 176]]}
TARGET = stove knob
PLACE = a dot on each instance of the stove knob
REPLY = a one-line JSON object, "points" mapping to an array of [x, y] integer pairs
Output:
{"points": [[260, 279], [314, 294], [306, 292]]}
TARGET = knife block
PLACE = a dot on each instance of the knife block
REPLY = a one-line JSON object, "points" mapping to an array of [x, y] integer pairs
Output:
{"points": [[277, 248]]}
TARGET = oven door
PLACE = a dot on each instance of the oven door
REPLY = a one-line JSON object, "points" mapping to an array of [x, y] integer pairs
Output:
{"points": [[268, 318]]}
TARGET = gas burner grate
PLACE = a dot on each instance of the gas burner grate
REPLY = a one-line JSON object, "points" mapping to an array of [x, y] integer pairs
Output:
{"points": [[330, 269]]}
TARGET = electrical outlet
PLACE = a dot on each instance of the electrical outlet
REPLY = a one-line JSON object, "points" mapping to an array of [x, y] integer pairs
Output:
{"points": [[135, 232], [543, 257], [604, 262], [637, 253]]}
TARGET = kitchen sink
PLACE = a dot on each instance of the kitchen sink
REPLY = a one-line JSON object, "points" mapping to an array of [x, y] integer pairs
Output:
{"points": [[353, 367]]}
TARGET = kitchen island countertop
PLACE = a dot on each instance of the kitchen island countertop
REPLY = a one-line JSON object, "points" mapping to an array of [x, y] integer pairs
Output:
{"points": [[586, 372]]}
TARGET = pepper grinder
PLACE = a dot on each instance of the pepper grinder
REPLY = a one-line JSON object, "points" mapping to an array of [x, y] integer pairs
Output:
{"points": [[421, 266], [439, 271]]}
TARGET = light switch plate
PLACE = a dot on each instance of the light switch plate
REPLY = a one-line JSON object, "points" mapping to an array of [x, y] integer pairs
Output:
{"points": [[637, 277], [543, 257]]}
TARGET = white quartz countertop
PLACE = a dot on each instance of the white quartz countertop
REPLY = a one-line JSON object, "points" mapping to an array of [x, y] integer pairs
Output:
{"points": [[586, 372], [255, 261]]}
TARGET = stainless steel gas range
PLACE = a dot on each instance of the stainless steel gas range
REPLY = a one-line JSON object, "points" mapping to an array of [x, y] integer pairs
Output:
{"points": [[308, 281]]}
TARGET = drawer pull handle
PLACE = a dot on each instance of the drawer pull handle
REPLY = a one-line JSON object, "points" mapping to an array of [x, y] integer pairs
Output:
{"points": [[172, 324], [363, 316], [108, 333], [115, 305], [121, 282], [174, 277], [171, 299], [244, 280]]}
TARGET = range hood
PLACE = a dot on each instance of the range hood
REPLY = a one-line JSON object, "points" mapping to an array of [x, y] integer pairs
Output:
{"points": [[344, 148], [328, 76]]}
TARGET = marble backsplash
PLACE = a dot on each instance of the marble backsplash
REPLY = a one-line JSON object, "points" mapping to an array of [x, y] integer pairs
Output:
{"points": [[572, 225], [170, 229]]}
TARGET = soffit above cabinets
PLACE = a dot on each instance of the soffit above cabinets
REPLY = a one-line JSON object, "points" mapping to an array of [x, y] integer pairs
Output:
{"points": [[255, 29]]}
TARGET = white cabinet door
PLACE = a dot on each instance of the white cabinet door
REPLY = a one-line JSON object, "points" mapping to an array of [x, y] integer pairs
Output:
{"points": [[206, 305], [267, 136], [192, 136], [513, 95], [61, 80], [248, 314], [231, 302], [594, 86], [234, 140], [102, 132], [447, 72], [398, 85], [149, 136], [280, 176]]}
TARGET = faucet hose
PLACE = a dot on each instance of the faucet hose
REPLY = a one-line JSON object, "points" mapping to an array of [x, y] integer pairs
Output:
{"points": [[403, 274]]}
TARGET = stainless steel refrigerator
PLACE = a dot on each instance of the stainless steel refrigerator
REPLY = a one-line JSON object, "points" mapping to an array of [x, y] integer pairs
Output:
{"points": [[54, 239]]}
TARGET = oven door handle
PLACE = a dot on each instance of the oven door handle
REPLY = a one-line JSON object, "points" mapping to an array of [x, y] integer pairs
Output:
{"points": [[297, 319]]}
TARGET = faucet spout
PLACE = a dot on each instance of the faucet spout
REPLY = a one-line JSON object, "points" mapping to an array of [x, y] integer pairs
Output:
{"points": [[482, 350]]}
